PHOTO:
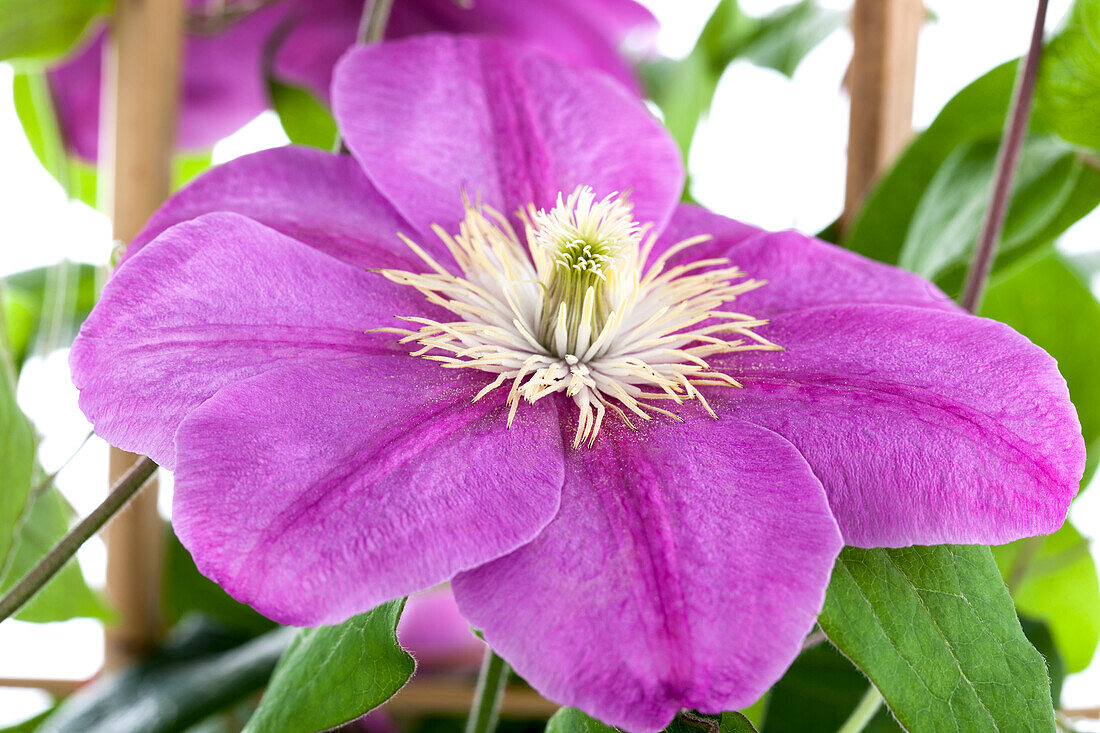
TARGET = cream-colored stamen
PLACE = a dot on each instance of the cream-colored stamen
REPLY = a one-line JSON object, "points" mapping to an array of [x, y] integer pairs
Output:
{"points": [[572, 311]]}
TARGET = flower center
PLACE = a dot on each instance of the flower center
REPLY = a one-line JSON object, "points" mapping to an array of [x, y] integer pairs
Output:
{"points": [[574, 309], [584, 245]]}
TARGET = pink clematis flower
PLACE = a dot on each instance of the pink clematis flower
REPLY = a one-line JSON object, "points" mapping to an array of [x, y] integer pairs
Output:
{"points": [[634, 434], [223, 76]]}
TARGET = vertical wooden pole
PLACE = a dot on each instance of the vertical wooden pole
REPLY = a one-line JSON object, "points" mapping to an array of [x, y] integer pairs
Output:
{"points": [[138, 122], [884, 64]]}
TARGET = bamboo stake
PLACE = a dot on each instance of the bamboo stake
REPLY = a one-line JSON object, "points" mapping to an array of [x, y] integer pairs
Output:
{"points": [[882, 76], [54, 687], [426, 695], [141, 90]]}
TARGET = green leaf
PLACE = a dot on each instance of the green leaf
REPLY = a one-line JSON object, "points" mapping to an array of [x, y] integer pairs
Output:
{"points": [[48, 305], [733, 722], [684, 89], [975, 113], [1038, 633], [755, 713], [67, 595], [17, 450], [187, 165], [1049, 301], [1053, 580], [200, 671], [45, 28], [305, 119], [19, 319], [184, 591], [334, 674], [785, 37], [945, 226], [572, 720], [819, 692], [1067, 94], [935, 630], [31, 525], [34, 107], [967, 131], [926, 211]]}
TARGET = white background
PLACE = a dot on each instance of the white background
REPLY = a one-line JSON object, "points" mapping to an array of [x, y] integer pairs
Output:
{"points": [[772, 153]]}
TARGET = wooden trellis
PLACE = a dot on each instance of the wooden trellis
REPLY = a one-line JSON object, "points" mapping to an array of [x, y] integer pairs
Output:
{"points": [[884, 66], [141, 96]]}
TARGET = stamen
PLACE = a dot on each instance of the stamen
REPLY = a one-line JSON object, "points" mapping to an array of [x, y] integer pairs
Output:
{"points": [[571, 310]]}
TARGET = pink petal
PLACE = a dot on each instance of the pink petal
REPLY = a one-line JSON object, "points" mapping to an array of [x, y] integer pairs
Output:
{"points": [[210, 302], [925, 427], [590, 33], [801, 272], [683, 571], [317, 490], [435, 116], [316, 197]]}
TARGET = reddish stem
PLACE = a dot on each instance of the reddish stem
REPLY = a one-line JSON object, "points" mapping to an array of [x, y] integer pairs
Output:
{"points": [[1007, 159]]}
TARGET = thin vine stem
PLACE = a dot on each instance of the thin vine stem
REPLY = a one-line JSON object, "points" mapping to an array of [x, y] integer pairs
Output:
{"points": [[121, 493], [372, 24], [1008, 158], [814, 639], [865, 710], [491, 682], [47, 481], [372, 27]]}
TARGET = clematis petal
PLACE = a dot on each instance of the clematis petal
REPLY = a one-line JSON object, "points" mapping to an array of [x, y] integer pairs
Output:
{"points": [[590, 33], [506, 125], [222, 85], [801, 271], [213, 301], [690, 221], [925, 427], [316, 197], [433, 631], [683, 571], [317, 490], [75, 93]]}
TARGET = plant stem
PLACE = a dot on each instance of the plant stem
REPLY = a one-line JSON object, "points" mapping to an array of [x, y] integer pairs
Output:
{"points": [[40, 488], [813, 640], [865, 710], [123, 490], [491, 682], [1008, 157], [372, 26]]}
